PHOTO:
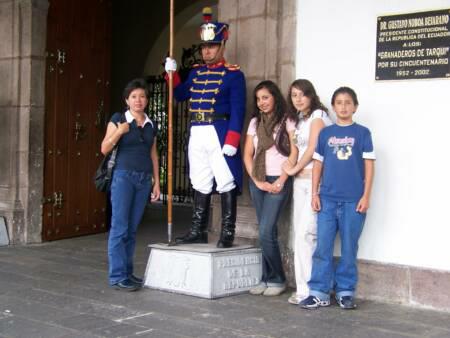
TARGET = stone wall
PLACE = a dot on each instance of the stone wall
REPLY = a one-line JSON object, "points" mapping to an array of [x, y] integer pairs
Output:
{"points": [[22, 70], [262, 41], [402, 284]]}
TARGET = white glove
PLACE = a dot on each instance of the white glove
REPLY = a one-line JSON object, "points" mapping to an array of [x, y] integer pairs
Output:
{"points": [[229, 150], [171, 65]]}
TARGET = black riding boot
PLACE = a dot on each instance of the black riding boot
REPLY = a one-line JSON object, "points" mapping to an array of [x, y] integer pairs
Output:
{"points": [[228, 219], [200, 216]]}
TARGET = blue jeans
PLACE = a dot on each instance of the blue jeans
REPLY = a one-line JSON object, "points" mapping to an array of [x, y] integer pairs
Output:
{"points": [[268, 207], [334, 217], [129, 195]]}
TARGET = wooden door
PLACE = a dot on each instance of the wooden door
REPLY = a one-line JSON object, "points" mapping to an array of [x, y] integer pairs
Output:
{"points": [[76, 103]]}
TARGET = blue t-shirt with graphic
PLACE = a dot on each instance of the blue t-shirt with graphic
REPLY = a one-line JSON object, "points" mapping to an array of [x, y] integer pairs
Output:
{"points": [[342, 150]]}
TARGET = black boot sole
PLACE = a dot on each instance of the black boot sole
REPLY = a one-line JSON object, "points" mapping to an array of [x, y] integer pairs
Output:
{"points": [[221, 244], [125, 289], [182, 241]]}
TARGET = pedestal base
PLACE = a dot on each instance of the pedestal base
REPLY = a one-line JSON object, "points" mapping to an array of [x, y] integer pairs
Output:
{"points": [[203, 270], [4, 240]]}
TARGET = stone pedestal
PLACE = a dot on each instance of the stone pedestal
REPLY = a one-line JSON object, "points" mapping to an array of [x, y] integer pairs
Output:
{"points": [[4, 240], [203, 270]]}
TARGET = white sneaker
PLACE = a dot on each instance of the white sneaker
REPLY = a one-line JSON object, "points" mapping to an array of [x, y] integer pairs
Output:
{"points": [[274, 290], [295, 299], [258, 289]]}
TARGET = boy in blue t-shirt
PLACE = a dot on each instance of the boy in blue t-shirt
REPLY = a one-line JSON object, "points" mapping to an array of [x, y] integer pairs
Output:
{"points": [[344, 167]]}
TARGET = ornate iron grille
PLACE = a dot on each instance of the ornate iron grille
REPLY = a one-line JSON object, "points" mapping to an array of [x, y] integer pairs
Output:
{"points": [[157, 108]]}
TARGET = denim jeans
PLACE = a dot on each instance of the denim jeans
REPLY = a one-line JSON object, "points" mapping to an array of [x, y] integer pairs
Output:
{"points": [[268, 207], [129, 195], [334, 217]]}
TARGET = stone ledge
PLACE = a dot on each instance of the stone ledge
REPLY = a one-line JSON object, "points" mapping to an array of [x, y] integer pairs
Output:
{"points": [[401, 284]]}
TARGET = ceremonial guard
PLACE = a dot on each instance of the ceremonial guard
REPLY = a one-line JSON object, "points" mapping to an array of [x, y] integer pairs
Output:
{"points": [[216, 93]]}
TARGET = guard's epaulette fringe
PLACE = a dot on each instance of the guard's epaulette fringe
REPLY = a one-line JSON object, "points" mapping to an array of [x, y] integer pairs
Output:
{"points": [[197, 65], [231, 67]]}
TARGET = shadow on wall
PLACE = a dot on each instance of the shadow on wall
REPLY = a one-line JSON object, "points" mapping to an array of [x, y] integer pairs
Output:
{"points": [[186, 29], [137, 26]]}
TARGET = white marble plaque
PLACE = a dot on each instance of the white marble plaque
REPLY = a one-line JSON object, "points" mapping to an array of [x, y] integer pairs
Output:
{"points": [[203, 270]]}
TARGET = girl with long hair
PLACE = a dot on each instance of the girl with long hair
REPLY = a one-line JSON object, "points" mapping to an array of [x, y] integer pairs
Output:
{"points": [[270, 186], [304, 102]]}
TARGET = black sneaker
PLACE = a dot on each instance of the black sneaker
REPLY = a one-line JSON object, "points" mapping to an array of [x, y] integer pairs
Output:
{"points": [[125, 285], [313, 302], [346, 302], [136, 280]]}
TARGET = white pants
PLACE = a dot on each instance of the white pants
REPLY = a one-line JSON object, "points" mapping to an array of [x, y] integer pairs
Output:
{"points": [[206, 161], [304, 220]]}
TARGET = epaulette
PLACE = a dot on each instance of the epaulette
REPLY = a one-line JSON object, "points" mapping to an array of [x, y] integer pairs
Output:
{"points": [[231, 67], [197, 65]]}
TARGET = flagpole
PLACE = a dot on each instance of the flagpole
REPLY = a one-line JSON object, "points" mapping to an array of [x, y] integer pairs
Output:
{"points": [[170, 136]]}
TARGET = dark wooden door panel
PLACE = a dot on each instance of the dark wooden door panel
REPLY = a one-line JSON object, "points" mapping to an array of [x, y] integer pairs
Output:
{"points": [[77, 99], [56, 102]]}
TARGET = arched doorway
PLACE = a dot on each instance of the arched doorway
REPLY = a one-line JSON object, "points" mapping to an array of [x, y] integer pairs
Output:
{"points": [[88, 63]]}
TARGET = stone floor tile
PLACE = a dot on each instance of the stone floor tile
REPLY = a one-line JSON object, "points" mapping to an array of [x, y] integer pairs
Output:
{"points": [[85, 322], [156, 333], [60, 289], [438, 333], [16, 327], [172, 324], [121, 330], [19, 307], [79, 334]]}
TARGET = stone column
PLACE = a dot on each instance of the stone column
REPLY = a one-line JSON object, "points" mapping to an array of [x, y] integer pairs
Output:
{"points": [[262, 41], [22, 69]]}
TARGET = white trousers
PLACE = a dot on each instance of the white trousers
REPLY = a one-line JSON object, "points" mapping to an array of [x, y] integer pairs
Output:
{"points": [[304, 220], [206, 161]]}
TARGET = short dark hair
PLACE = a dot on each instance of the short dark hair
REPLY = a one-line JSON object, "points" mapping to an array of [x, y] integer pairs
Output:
{"points": [[138, 83], [280, 103], [308, 90], [345, 90]]}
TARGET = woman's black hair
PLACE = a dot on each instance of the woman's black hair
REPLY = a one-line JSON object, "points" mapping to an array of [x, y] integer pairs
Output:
{"points": [[279, 108], [136, 84], [345, 90], [308, 90]]}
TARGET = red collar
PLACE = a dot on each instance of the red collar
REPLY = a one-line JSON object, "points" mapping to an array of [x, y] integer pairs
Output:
{"points": [[216, 65]]}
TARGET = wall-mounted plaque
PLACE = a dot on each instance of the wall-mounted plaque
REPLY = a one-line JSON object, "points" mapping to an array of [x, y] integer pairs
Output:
{"points": [[413, 46]]}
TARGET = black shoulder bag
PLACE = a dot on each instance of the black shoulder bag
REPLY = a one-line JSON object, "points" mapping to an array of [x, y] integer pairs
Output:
{"points": [[103, 174]]}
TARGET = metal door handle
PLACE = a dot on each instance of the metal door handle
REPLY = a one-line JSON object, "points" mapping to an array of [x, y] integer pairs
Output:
{"points": [[80, 131]]}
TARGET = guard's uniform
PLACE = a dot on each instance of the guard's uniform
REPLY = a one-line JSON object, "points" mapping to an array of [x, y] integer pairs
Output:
{"points": [[216, 96]]}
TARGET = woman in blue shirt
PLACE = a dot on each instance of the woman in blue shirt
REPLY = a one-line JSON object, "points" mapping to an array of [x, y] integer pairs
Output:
{"points": [[136, 164]]}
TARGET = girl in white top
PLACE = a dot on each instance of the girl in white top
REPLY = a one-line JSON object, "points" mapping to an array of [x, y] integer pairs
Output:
{"points": [[313, 116]]}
